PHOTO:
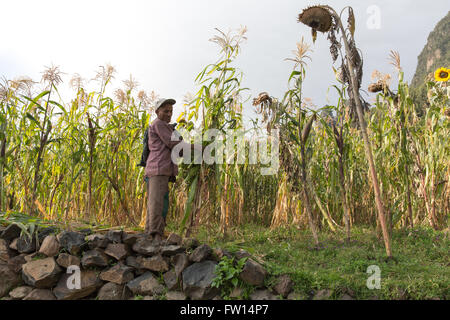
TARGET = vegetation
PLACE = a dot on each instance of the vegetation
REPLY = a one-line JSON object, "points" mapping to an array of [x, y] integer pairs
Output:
{"points": [[347, 171]]}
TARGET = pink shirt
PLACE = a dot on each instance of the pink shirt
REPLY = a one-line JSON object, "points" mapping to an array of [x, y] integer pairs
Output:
{"points": [[159, 161]]}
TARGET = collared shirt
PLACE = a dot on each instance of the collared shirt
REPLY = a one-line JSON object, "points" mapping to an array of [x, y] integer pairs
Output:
{"points": [[159, 162]]}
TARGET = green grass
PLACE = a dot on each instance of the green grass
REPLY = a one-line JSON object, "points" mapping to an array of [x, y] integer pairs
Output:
{"points": [[420, 269]]}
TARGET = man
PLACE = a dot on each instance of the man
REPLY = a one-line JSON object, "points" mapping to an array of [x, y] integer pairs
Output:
{"points": [[159, 168]]}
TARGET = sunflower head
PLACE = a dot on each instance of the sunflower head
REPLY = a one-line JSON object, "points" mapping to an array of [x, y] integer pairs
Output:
{"points": [[442, 74], [317, 18]]}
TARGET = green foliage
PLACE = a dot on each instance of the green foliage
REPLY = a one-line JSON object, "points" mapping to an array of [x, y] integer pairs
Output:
{"points": [[227, 275]]}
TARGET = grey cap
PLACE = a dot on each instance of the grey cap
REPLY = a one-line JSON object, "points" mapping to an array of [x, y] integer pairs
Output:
{"points": [[161, 102]]}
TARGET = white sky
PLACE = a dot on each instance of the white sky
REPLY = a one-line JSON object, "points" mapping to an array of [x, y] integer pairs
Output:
{"points": [[164, 44]]}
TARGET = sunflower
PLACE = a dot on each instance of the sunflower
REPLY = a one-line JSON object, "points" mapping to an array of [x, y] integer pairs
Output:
{"points": [[442, 74]]}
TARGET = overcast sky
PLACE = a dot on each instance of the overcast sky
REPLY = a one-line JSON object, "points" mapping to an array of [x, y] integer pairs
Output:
{"points": [[164, 44]]}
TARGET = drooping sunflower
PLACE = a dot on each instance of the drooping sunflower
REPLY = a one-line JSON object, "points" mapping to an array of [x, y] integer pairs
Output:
{"points": [[442, 74]]}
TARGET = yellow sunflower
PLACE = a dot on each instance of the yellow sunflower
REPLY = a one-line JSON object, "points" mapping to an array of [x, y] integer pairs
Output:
{"points": [[442, 74]]}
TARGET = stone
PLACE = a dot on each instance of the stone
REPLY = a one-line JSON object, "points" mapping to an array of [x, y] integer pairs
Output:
{"points": [[13, 244], [197, 280], [148, 298], [346, 297], [133, 261], [118, 251], [97, 240], [175, 295], [171, 250], [26, 245], [201, 253], [31, 257], [297, 296], [323, 294], [111, 291], [43, 233], [174, 239], [145, 247], [180, 262], [241, 253], [262, 295], [65, 260], [8, 279], [283, 286], [20, 292], [190, 243], [94, 258], [145, 284], [236, 293], [5, 252], [72, 241], [156, 263], [89, 283], [40, 294], [253, 273], [49, 246], [114, 236], [130, 238], [118, 274], [220, 253], [15, 263], [12, 231], [171, 280], [42, 274]]}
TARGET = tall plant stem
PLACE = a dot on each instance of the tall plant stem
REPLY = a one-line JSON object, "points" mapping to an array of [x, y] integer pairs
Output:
{"points": [[367, 145]]}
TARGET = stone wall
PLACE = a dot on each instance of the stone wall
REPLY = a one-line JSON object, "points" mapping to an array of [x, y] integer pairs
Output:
{"points": [[116, 266]]}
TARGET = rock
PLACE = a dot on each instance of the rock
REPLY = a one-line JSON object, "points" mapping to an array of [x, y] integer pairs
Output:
{"points": [[174, 239], [190, 243], [201, 253], [40, 294], [112, 291], [114, 236], [171, 280], [118, 251], [42, 274], [85, 231], [31, 257], [94, 258], [73, 242], [26, 245], [197, 280], [49, 246], [65, 260], [175, 295], [8, 279], [346, 297], [43, 233], [118, 274], [133, 261], [145, 247], [297, 296], [253, 273], [237, 293], [220, 253], [262, 295], [97, 240], [5, 252], [180, 262], [242, 254], [156, 263], [12, 231], [283, 286], [15, 263], [20, 292], [171, 250], [89, 283], [130, 238], [13, 244], [145, 284], [148, 298], [323, 294]]}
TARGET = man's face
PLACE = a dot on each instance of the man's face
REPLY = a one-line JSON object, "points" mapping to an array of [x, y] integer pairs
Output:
{"points": [[165, 113]]}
